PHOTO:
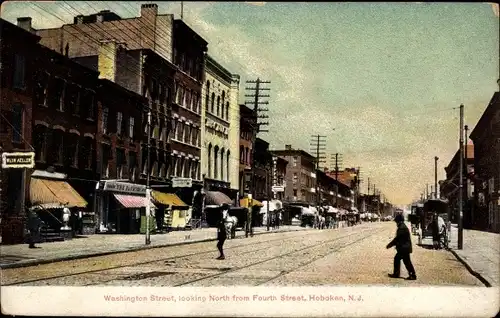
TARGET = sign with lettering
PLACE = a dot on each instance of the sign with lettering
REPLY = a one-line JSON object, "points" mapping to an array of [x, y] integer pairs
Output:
{"points": [[278, 189], [18, 160], [124, 187], [182, 182]]}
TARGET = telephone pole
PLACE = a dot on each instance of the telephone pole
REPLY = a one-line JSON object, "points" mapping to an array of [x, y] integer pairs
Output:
{"points": [[318, 145], [257, 126], [436, 177], [336, 167], [148, 177], [460, 194]]}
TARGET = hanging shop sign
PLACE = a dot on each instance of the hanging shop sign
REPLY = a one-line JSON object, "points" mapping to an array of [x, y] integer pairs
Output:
{"points": [[18, 160], [278, 189], [182, 182], [124, 187]]}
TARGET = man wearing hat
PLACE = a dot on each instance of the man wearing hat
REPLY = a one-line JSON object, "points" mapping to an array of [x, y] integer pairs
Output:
{"points": [[221, 231], [402, 241]]}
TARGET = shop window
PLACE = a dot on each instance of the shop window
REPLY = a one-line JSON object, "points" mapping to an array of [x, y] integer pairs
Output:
{"points": [[19, 72], [17, 123]]}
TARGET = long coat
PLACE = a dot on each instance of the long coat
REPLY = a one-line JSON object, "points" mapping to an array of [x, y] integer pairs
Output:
{"points": [[402, 241]]}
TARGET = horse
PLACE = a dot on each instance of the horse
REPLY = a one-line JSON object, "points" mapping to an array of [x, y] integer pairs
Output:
{"points": [[230, 223]]}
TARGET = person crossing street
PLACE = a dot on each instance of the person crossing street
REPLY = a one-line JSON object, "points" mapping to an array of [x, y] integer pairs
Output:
{"points": [[402, 241]]}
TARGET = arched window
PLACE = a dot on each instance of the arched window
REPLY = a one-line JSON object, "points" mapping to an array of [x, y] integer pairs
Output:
{"points": [[228, 164], [212, 108], [227, 110], [222, 162], [207, 96], [216, 162], [209, 160], [222, 104], [218, 105]]}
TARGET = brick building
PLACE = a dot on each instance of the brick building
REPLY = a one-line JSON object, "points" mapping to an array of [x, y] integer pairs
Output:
{"points": [[247, 131], [279, 176], [486, 137], [300, 175], [16, 82], [262, 165]]}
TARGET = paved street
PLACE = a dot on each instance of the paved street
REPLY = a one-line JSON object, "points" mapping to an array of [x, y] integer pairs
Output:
{"points": [[354, 255]]}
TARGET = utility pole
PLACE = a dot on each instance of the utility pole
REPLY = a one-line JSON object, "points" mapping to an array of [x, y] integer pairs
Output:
{"points": [[427, 191], [148, 176], [468, 209], [336, 176], [460, 194], [368, 192], [318, 145], [256, 127], [436, 177]]}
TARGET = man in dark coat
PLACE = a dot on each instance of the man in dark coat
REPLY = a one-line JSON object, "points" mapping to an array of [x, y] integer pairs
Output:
{"points": [[402, 241], [221, 232], [34, 224]]}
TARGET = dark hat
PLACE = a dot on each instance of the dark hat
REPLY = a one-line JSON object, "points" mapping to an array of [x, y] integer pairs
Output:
{"points": [[399, 218]]}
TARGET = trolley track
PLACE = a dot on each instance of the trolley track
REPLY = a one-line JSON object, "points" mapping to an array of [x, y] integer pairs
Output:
{"points": [[232, 270], [204, 252]]}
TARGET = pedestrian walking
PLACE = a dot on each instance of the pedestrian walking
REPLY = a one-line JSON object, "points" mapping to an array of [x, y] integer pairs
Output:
{"points": [[402, 241], [34, 224], [222, 232]]}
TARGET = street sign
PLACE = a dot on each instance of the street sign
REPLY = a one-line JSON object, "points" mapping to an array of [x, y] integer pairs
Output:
{"points": [[278, 189], [182, 182], [18, 160]]}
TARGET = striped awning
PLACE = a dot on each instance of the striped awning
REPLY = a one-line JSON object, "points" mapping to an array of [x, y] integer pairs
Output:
{"points": [[131, 201], [216, 198], [168, 199], [49, 194]]}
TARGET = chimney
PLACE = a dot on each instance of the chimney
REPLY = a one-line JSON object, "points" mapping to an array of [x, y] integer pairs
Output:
{"points": [[100, 17], [148, 10], [106, 59], [288, 147], [25, 23]]}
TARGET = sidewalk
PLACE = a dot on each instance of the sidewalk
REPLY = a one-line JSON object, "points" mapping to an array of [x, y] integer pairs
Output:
{"points": [[480, 254], [102, 244]]}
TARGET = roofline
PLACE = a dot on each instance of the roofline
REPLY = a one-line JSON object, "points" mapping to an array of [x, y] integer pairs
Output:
{"points": [[184, 24], [218, 68], [292, 151], [494, 99]]}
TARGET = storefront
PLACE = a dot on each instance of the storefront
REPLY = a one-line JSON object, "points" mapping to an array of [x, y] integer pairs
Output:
{"points": [[171, 212], [50, 195], [120, 206]]}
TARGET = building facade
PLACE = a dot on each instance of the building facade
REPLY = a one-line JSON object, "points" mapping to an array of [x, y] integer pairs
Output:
{"points": [[246, 141], [279, 177], [486, 138], [300, 175], [220, 157], [16, 94]]}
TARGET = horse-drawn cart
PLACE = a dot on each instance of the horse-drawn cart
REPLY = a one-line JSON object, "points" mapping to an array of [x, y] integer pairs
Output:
{"points": [[440, 209]]}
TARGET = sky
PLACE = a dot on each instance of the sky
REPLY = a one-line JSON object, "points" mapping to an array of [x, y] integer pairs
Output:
{"points": [[382, 81]]}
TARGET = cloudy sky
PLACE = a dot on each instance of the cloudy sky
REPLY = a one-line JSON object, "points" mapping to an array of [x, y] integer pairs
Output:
{"points": [[382, 81]]}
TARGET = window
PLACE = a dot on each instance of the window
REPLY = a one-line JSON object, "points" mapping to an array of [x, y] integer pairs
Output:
{"points": [[131, 127], [187, 134], [294, 192], [218, 106], [295, 178], [212, 108], [222, 104], [119, 123], [194, 139], [295, 161], [179, 131], [17, 123], [19, 71], [59, 147], [228, 165], [209, 160], [227, 110], [120, 163], [132, 156], [216, 162], [222, 164], [105, 114], [91, 105]]}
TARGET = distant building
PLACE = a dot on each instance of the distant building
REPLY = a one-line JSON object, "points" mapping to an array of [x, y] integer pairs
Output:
{"points": [[300, 175], [486, 137], [248, 127]]}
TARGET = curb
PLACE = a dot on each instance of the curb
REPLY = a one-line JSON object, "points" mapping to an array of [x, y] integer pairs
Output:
{"points": [[37, 262], [469, 268]]}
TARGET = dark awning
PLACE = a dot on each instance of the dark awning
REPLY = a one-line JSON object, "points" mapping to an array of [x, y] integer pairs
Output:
{"points": [[216, 198]]}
